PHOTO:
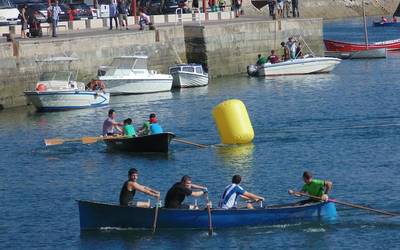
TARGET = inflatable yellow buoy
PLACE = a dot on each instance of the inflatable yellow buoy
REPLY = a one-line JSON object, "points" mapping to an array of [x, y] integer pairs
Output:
{"points": [[233, 122]]}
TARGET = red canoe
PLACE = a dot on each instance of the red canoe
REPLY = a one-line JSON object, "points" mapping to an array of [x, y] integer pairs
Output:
{"points": [[347, 47]]}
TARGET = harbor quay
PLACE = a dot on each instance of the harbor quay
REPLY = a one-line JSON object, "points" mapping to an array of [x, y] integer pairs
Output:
{"points": [[224, 47]]}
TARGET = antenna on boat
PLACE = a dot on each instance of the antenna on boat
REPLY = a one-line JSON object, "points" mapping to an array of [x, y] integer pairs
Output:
{"points": [[365, 24]]}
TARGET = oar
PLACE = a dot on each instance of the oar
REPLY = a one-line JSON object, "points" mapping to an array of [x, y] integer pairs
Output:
{"points": [[346, 204], [156, 215], [190, 143], [58, 141], [210, 229]]}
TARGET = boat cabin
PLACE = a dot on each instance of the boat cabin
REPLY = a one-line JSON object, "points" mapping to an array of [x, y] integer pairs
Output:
{"points": [[187, 68], [138, 64], [59, 80]]}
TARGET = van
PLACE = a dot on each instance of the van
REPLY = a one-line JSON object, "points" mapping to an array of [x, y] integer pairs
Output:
{"points": [[8, 13]]}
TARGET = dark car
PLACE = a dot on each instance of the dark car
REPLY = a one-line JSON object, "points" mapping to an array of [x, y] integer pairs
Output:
{"points": [[153, 7], [81, 11], [170, 6], [40, 7]]}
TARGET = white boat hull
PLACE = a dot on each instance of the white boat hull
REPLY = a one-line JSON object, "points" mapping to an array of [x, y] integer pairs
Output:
{"points": [[123, 86], [188, 80], [312, 65], [65, 100]]}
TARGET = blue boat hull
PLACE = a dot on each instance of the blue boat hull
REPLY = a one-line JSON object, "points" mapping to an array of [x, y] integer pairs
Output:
{"points": [[388, 24], [95, 215]]}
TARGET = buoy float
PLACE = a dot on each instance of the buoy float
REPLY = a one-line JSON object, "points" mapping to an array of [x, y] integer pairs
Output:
{"points": [[41, 87], [233, 122]]}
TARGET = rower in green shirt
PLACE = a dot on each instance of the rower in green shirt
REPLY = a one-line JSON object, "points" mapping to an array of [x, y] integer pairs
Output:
{"points": [[261, 60], [315, 187], [128, 128]]}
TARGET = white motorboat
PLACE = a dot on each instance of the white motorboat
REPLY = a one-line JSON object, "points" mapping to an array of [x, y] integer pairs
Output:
{"points": [[60, 91], [129, 75], [299, 66], [188, 75]]}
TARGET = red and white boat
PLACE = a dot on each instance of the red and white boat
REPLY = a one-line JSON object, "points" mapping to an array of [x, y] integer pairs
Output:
{"points": [[346, 47]]}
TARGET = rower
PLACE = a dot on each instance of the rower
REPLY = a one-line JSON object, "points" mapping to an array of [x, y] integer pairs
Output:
{"points": [[233, 191], [151, 126], [129, 189], [315, 187], [178, 192], [129, 129], [110, 125]]}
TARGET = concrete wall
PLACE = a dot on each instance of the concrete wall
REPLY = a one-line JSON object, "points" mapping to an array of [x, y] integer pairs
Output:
{"points": [[19, 71], [332, 9], [241, 43]]}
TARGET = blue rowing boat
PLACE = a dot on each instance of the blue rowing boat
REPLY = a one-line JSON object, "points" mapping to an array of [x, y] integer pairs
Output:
{"points": [[387, 24], [95, 216]]}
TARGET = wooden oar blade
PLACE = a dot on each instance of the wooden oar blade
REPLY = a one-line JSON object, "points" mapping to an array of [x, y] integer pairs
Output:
{"points": [[190, 143], [89, 140], [54, 141]]}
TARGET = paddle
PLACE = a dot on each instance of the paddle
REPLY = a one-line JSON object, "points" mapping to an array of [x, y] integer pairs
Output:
{"points": [[210, 229], [156, 215], [344, 203], [58, 141], [190, 143], [84, 140]]}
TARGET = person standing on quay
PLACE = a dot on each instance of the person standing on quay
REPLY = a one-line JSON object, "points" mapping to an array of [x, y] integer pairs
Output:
{"points": [[113, 15], [295, 8], [122, 15], [54, 11]]}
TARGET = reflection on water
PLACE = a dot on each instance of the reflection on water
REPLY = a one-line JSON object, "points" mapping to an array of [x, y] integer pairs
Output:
{"points": [[238, 156]]}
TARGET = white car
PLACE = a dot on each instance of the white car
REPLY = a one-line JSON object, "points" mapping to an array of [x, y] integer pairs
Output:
{"points": [[8, 13]]}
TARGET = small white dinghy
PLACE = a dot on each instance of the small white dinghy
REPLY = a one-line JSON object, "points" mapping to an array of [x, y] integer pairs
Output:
{"points": [[60, 91], [188, 75], [298, 66]]}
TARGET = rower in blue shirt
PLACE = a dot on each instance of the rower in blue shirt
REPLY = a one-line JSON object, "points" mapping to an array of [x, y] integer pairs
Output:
{"points": [[155, 128], [233, 191]]}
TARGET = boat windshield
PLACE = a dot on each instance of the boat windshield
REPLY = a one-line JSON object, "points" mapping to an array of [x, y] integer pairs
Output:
{"points": [[199, 70], [57, 76], [188, 69], [129, 63]]}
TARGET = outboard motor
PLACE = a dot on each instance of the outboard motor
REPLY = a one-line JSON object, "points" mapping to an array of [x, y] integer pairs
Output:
{"points": [[252, 70]]}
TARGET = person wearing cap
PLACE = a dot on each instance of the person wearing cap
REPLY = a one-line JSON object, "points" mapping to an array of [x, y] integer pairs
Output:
{"points": [[178, 192], [130, 187], [110, 126], [233, 191], [314, 187]]}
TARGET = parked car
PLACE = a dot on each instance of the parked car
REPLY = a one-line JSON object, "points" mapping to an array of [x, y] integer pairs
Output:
{"points": [[153, 7], [81, 11], [170, 6], [8, 13], [41, 7]]}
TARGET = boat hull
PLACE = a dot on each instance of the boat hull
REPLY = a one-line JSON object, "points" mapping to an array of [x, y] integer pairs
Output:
{"points": [[312, 65], [348, 47], [95, 216], [149, 143], [123, 86], [65, 100], [387, 24], [362, 54], [188, 80]]}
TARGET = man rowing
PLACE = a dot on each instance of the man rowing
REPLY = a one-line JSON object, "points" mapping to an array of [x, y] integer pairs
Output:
{"points": [[233, 191], [314, 187], [178, 192], [130, 187], [110, 126]]}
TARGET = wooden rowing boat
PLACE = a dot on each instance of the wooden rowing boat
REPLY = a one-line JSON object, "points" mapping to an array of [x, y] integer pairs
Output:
{"points": [[96, 216], [148, 143]]}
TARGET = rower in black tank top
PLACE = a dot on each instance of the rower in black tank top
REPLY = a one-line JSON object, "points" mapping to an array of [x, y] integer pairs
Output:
{"points": [[126, 196]]}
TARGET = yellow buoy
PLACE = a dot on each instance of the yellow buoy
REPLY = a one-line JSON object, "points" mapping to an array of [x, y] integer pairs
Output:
{"points": [[233, 122]]}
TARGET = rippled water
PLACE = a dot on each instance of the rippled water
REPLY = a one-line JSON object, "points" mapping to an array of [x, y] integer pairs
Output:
{"points": [[343, 126]]}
